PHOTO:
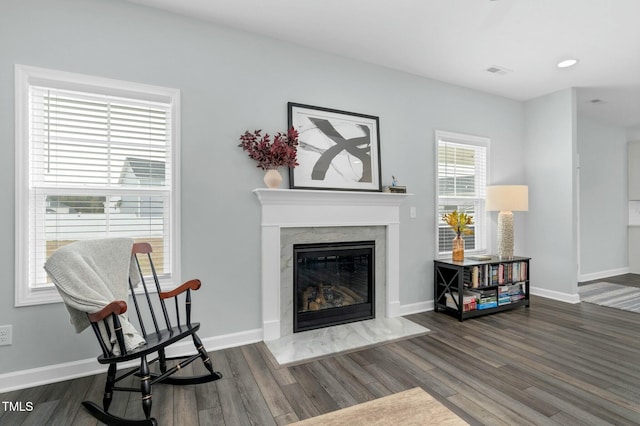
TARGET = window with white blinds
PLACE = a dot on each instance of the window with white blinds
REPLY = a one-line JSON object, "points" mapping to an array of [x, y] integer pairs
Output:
{"points": [[461, 185], [100, 161]]}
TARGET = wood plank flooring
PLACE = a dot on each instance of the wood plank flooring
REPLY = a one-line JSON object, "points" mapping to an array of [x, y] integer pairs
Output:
{"points": [[632, 280], [551, 364]]}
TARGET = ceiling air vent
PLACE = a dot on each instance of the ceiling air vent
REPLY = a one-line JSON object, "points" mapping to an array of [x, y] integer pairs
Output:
{"points": [[494, 69]]}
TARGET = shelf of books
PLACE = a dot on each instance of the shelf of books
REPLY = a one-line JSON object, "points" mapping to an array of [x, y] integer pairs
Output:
{"points": [[471, 288]]}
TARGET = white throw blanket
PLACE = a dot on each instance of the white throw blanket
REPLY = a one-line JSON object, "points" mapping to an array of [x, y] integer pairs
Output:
{"points": [[91, 274]]}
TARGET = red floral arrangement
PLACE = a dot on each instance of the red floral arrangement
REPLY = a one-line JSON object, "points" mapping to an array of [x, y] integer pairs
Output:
{"points": [[270, 155]]}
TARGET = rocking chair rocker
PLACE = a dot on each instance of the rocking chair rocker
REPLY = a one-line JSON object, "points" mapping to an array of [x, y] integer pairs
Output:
{"points": [[107, 323]]}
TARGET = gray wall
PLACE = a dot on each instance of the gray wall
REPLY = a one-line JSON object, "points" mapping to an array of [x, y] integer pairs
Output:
{"points": [[603, 206], [550, 156], [230, 82], [633, 133]]}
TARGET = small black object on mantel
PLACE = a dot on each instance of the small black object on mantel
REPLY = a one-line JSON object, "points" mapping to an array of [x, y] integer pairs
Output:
{"points": [[398, 189]]}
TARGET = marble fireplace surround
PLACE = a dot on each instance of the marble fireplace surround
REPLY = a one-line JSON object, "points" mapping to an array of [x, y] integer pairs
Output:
{"points": [[295, 208], [328, 234]]}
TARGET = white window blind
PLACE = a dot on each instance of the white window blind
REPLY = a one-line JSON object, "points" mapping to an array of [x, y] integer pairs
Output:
{"points": [[461, 185], [99, 165]]}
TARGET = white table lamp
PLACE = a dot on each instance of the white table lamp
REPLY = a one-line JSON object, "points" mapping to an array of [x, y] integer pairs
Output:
{"points": [[506, 199]]}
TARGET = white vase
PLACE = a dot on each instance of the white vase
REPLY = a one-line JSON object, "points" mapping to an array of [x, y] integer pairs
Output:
{"points": [[272, 178]]}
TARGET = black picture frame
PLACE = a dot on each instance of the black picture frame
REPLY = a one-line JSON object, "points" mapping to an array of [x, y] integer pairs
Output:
{"points": [[338, 150]]}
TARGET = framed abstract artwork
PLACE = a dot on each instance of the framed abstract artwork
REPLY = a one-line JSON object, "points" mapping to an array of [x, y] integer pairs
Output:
{"points": [[337, 150]]}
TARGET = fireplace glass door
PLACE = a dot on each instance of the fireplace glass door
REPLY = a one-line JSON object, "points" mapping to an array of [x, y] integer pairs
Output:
{"points": [[333, 283]]}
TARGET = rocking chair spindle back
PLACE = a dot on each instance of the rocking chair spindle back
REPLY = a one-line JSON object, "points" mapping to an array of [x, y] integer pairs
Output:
{"points": [[107, 325]]}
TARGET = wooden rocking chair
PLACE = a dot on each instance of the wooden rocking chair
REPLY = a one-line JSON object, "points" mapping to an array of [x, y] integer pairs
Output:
{"points": [[157, 340]]}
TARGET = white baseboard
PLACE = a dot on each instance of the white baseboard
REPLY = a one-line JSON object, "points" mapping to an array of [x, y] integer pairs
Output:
{"points": [[49, 374], [87, 367], [603, 274], [555, 295], [416, 308]]}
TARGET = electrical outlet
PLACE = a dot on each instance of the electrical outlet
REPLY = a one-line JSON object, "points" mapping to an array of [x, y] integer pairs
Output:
{"points": [[6, 332]]}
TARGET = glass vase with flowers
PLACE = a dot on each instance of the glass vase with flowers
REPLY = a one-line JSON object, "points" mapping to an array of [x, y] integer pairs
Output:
{"points": [[460, 222]]}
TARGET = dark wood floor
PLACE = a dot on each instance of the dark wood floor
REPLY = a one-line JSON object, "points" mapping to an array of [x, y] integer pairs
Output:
{"points": [[554, 363], [624, 279]]}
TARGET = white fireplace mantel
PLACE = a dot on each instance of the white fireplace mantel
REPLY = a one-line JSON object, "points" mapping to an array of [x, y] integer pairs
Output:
{"points": [[283, 208]]}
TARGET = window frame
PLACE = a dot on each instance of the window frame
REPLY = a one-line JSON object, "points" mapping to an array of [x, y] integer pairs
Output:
{"points": [[481, 217], [25, 77]]}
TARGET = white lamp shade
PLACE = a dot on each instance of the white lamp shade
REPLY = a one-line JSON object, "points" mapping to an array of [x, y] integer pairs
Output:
{"points": [[507, 198]]}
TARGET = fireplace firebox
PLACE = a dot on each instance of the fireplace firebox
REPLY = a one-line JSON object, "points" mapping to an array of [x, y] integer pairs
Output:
{"points": [[333, 283]]}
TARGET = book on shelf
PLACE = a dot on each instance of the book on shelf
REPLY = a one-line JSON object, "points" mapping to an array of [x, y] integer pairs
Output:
{"points": [[504, 300], [486, 276], [523, 271], [479, 293], [516, 288], [475, 276], [494, 274], [487, 305], [508, 272], [469, 301], [516, 297], [485, 298]]}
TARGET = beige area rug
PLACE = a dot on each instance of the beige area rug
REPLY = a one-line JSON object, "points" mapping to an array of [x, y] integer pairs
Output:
{"points": [[413, 407]]}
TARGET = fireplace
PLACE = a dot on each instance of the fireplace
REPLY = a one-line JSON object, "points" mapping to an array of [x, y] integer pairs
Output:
{"points": [[293, 216], [333, 283]]}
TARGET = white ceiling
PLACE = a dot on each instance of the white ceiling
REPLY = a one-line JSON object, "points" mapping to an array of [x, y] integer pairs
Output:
{"points": [[456, 41]]}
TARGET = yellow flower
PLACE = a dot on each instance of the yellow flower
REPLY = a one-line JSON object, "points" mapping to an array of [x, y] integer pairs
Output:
{"points": [[459, 222]]}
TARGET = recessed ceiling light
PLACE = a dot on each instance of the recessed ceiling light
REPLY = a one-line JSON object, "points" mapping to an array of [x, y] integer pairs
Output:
{"points": [[567, 63]]}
